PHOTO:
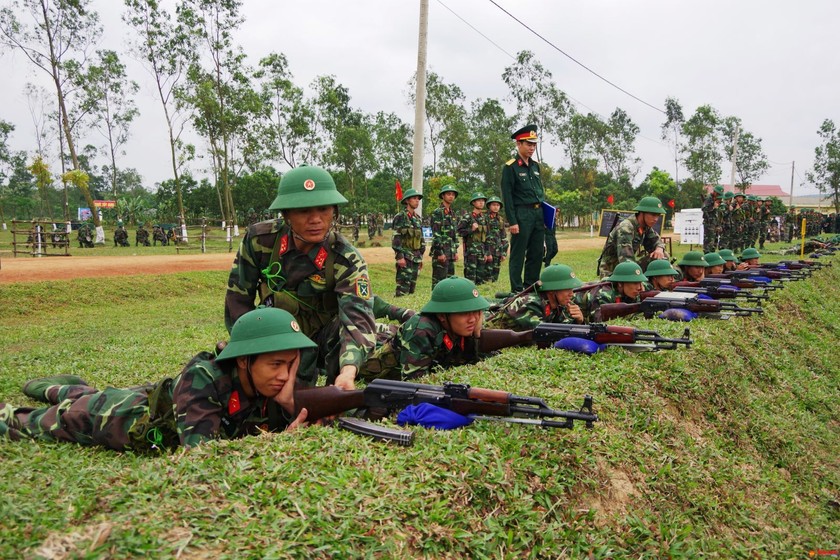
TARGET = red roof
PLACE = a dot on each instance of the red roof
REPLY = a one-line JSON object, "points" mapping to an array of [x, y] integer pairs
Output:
{"points": [[758, 190]]}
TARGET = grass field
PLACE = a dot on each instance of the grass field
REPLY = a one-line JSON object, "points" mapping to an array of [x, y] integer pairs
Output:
{"points": [[729, 449]]}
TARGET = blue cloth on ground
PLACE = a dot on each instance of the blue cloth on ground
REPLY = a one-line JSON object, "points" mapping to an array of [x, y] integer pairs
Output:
{"points": [[582, 345], [678, 315], [704, 296], [763, 279], [431, 416]]}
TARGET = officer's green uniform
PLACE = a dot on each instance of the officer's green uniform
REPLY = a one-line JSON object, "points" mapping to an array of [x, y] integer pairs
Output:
{"points": [[630, 240], [476, 249], [205, 401], [523, 195], [408, 244], [444, 239], [328, 289], [526, 311], [497, 240]]}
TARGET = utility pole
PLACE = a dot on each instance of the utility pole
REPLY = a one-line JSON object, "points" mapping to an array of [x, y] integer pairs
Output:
{"points": [[790, 198], [734, 155], [420, 102]]}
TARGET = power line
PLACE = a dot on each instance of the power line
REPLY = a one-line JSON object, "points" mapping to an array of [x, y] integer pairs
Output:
{"points": [[570, 57]]}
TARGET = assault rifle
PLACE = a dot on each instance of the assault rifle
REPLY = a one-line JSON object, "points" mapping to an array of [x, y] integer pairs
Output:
{"points": [[784, 276], [805, 263], [652, 306], [722, 291], [385, 396], [546, 334], [740, 283]]}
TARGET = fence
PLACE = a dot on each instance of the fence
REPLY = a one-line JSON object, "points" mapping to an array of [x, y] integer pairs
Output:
{"points": [[40, 238]]}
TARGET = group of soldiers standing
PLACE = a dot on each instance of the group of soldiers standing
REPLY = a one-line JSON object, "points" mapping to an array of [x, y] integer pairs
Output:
{"points": [[735, 220]]}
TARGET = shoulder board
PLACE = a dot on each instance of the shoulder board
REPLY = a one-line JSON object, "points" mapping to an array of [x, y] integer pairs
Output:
{"points": [[509, 162]]}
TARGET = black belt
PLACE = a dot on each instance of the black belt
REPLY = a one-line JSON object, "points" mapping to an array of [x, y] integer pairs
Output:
{"points": [[537, 205]]}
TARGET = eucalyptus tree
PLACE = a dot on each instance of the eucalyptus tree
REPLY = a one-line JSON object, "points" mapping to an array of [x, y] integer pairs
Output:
{"points": [[490, 144], [825, 173], [55, 31], [166, 50], [750, 161], [6, 128], [392, 146], [614, 141], [702, 148], [444, 116], [670, 131]]}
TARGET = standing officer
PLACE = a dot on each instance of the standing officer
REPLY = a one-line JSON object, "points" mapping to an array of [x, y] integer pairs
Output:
{"points": [[523, 194], [408, 243], [444, 236], [301, 265]]}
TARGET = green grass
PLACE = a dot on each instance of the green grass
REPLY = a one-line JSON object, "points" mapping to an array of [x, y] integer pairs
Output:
{"points": [[729, 449]]}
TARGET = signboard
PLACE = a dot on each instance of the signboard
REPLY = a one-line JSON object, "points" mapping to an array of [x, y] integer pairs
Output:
{"points": [[427, 233], [84, 214], [690, 224], [105, 203], [610, 217]]}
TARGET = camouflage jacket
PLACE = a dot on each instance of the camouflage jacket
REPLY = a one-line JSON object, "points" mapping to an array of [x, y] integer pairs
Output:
{"points": [[526, 312], [330, 283], [444, 233], [474, 240], [412, 349], [496, 235], [628, 241], [590, 301], [408, 242]]}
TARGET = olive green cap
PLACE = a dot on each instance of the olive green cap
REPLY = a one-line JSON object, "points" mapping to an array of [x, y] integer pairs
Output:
{"points": [[628, 271], [650, 204], [558, 277], [477, 196], [409, 193], [265, 329], [448, 188], [727, 255], [719, 189], [750, 253], [660, 267], [305, 187], [713, 259], [455, 295], [495, 199], [693, 258], [741, 194], [752, 197], [728, 194]]}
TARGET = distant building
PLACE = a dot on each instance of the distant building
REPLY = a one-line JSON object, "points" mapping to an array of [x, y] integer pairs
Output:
{"points": [[757, 190]]}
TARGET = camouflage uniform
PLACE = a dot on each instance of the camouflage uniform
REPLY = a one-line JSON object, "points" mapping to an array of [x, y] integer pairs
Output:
{"points": [[141, 237], [709, 226], [475, 246], [85, 236], [444, 242], [738, 223], [408, 244], [764, 217], [411, 350], [327, 290], [121, 237], [205, 401], [527, 311], [591, 300], [628, 242], [497, 244]]}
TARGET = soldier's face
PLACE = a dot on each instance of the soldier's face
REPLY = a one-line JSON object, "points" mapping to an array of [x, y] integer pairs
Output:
{"points": [[663, 283], [695, 273], [526, 149], [751, 261], [311, 224], [649, 218], [494, 207], [479, 204], [412, 202], [716, 269], [631, 289], [461, 324], [560, 298], [448, 197], [270, 371]]}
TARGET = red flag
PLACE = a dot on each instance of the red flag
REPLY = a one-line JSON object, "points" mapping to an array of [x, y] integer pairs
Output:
{"points": [[398, 191], [610, 199], [671, 203]]}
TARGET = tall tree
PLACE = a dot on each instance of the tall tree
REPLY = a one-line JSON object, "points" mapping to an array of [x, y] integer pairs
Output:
{"points": [[750, 161], [489, 142], [444, 114], [702, 148], [614, 142], [166, 50], [57, 29], [6, 129], [826, 171], [670, 131]]}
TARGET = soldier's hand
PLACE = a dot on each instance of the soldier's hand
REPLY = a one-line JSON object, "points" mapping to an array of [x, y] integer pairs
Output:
{"points": [[514, 229], [658, 253], [441, 259], [488, 258], [575, 312], [286, 397], [420, 265], [401, 263], [346, 378], [299, 422]]}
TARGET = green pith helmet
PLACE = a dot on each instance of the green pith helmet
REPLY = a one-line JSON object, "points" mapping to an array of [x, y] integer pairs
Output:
{"points": [[446, 189], [455, 295], [727, 255], [119, 223], [693, 258], [650, 204], [792, 207], [719, 189], [660, 267], [728, 195], [477, 196], [713, 259], [409, 193], [750, 253], [558, 277], [752, 197], [628, 271], [265, 329], [304, 187], [741, 195], [495, 199]]}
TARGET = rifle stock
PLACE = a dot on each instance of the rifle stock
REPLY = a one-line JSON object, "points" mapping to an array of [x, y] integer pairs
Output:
{"points": [[546, 334]]}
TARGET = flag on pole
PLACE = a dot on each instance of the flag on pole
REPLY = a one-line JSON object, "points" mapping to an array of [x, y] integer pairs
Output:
{"points": [[610, 199], [398, 191], [671, 203]]}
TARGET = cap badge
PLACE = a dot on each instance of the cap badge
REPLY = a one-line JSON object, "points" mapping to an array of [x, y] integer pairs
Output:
{"points": [[295, 326], [309, 184]]}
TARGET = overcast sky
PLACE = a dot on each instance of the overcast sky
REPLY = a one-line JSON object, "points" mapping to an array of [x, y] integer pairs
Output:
{"points": [[773, 63]]}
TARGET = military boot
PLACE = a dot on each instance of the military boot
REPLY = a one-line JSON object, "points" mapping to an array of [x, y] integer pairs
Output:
{"points": [[37, 388]]}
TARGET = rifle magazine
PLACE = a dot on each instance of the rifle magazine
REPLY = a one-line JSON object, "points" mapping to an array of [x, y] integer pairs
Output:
{"points": [[404, 438]]}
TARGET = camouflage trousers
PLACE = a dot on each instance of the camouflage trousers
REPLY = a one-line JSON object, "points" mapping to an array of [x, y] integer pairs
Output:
{"points": [[475, 268], [79, 414], [493, 268], [441, 271], [407, 278]]}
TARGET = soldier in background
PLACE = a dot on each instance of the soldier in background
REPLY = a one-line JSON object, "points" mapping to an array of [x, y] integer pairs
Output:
{"points": [[497, 240], [357, 225], [634, 239], [408, 243], [790, 222], [121, 236], [738, 223], [371, 225], [141, 236], [765, 214], [625, 286], [710, 206], [473, 229], [444, 250], [85, 236], [159, 235]]}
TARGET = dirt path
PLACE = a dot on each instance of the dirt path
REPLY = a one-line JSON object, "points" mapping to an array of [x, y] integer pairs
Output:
{"points": [[31, 269]]}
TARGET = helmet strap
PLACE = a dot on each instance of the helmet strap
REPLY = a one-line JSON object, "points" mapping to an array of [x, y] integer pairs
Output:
{"points": [[251, 378]]}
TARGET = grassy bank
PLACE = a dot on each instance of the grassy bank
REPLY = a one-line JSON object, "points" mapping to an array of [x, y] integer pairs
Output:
{"points": [[728, 449]]}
